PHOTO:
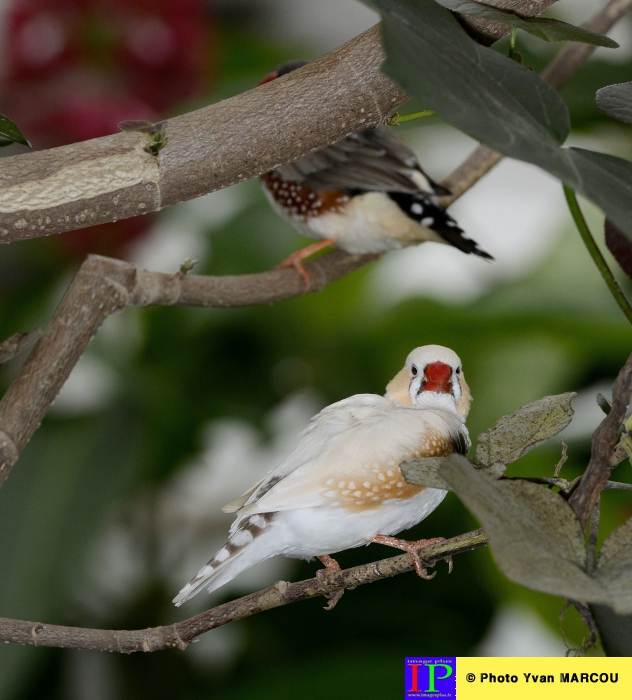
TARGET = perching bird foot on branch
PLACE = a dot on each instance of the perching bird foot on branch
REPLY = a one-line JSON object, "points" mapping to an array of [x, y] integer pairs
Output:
{"points": [[413, 549], [331, 567]]}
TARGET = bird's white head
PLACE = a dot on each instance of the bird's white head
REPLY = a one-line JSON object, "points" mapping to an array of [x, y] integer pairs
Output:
{"points": [[431, 378]]}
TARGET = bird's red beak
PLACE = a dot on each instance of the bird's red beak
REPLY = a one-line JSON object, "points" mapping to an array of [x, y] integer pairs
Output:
{"points": [[269, 78], [438, 376]]}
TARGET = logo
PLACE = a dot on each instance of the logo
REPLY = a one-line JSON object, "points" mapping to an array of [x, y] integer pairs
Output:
{"points": [[430, 677]]}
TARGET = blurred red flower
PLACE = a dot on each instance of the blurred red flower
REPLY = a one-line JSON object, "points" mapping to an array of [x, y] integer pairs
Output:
{"points": [[73, 69]]}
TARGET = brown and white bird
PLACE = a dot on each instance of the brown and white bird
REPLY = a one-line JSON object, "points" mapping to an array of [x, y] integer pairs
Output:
{"points": [[366, 193], [342, 486]]}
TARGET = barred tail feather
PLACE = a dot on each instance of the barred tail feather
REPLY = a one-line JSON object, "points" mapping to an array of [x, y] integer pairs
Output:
{"points": [[233, 558], [430, 215]]}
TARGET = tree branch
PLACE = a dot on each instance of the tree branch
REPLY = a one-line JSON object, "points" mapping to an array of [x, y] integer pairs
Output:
{"points": [[103, 286], [604, 441], [561, 69], [183, 633], [114, 177], [31, 394]]}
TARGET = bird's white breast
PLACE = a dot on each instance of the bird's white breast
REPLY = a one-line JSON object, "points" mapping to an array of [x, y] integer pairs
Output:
{"points": [[370, 223]]}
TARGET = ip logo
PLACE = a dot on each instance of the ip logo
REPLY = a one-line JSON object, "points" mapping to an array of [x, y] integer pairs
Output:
{"points": [[430, 677]]}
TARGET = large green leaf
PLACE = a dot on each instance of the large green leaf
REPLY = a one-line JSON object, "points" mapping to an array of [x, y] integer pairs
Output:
{"points": [[511, 437], [477, 89], [500, 103], [10, 133], [537, 541], [616, 100], [541, 27]]}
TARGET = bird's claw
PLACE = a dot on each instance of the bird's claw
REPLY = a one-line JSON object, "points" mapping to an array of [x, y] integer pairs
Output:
{"points": [[297, 264], [413, 548], [333, 599], [422, 572], [331, 567], [296, 259]]}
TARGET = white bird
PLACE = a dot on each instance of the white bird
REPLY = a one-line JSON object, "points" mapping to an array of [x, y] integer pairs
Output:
{"points": [[342, 486]]}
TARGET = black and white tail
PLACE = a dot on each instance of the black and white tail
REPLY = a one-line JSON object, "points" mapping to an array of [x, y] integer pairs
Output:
{"points": [[430, 215], [249, 543]]}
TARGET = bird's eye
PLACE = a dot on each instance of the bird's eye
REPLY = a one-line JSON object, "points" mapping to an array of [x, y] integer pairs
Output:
{"points": [[413, 369], [458, 370]]}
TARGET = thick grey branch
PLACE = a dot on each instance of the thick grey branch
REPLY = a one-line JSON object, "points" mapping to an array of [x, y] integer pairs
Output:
{"points": [[114, 177], [100, 288], [183, 633]]}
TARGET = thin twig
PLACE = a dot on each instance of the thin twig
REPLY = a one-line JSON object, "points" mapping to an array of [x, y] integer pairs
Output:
{"points": [[18, 343], [587, 619], [397, 118], [603, 443], [183, 633], [595, 253], [564, 66], [563, 458], [565, 485]]}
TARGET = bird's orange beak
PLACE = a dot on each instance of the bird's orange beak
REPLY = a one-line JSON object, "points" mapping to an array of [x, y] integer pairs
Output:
{"points": [[438, 376]]}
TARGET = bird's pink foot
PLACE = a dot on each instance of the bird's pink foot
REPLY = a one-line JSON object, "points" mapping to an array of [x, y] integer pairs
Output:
{"points": [[296, 259], [331, 567], [413, 549]]}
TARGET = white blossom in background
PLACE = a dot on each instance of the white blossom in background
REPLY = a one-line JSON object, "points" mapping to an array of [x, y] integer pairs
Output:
{"points": [[181, 232], [517, 630], [185, 516]]}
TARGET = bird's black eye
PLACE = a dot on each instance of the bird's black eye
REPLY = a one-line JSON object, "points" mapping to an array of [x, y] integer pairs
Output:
{"points": [[413, 369], [458, 370]]}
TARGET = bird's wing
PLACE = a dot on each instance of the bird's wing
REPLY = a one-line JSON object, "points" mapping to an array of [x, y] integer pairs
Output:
{"points": [[234, 505], [354, 456], [368, 160], [332, 420]]}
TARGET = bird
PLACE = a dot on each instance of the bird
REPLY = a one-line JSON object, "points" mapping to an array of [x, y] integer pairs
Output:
{"points": [[342, 486], [366, 193]]}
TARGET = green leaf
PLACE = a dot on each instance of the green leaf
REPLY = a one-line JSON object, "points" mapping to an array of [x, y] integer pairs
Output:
{"points": [[498, 102], [615, 565], [475, 88], [537, 541], [10, 133], [511, 437], [533, 533], [540, 27], [425, 472], [607, 181], [616, 100]]}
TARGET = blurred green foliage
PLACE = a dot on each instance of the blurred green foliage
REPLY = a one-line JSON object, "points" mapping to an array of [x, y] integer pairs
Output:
{"points": [[550, 331]]}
